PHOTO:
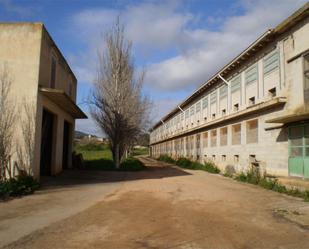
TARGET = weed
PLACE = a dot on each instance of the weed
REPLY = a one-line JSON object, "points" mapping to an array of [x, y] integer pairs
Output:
{"points": [[22, 185], [188, 164], [271, 183]]}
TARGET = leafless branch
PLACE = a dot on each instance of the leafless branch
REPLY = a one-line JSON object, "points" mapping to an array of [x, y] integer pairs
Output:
{"points": [[7, 119], [117, 103]]}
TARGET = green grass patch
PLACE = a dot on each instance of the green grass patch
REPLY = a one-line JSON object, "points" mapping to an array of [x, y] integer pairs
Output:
{"points": [[100, 158], [96, 156], [22, 185], [140, 151], [188, 164], [271, 183]]}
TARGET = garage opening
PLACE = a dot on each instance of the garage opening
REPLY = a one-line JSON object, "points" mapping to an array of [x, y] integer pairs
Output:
{"points": [[46, 143]]}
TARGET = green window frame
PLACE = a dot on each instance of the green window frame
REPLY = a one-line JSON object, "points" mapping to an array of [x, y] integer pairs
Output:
{"points": [[213, 97], [299, 141], [187, 113], [198, 107], [236, 84], [192, 110], [271, 62], [223, 91], [251, 74], [205, 102]]}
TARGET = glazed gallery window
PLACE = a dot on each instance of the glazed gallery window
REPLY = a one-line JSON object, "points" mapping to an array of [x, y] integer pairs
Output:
{"points": [[223, 136], [236, 134], [205, 139], [271, 62], [252, 131], [213, 139]]}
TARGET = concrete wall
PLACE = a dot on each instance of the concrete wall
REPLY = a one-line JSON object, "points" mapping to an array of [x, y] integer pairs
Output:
{"points": [[271, 150], [26, 49], [20, 51]]}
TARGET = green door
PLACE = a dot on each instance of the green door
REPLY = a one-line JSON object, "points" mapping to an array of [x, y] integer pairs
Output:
{"points": [[299, 151]]}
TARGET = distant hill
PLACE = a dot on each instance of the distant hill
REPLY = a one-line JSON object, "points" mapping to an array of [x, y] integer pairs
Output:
{"points": [[80, 134]]}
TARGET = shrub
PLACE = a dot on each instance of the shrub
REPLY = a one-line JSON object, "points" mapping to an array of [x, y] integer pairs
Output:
{"points": [[242, 177], [211, 168], [131, 164], [166, 158], [22, 185], [271, 184], [188, 164], [183, 162]]}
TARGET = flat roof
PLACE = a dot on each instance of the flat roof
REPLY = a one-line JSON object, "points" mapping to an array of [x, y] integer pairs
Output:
{"points": [[257, 45], [60, 98]]}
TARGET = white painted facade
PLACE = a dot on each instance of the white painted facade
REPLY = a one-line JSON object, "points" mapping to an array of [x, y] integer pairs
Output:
{"points": [[245, 120]]}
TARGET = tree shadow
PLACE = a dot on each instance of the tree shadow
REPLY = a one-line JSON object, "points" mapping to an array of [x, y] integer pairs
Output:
{"points": [[78, 177]]}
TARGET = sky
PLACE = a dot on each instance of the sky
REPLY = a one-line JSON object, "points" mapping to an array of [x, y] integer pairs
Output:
{"points": [[179, 43]]}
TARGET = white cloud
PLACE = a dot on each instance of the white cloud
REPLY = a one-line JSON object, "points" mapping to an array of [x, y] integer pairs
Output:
{"points": [[211, 50], [195, 51]]}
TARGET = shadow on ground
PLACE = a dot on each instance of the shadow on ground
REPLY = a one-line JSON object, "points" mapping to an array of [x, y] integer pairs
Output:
{"points": [[75, 177]]}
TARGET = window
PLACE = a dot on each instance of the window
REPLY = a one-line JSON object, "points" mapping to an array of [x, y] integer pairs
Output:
{"points": [[236, 134], [271, 62], [205, 140], [252, 131], [53, 71], [236, 158], [205, 102], [236, 84], [251, 74], [272, 92], [252, 101], [198, 107], [187, 113], [213, 97], [192, 143], [192, 110], [198, 141], [223, 136], [213, 140], [223, 92], [187, 144], [236, 107]]}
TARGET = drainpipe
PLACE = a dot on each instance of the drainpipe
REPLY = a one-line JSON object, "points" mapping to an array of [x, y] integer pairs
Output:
{"points": [[180, 109], [228, 92]]}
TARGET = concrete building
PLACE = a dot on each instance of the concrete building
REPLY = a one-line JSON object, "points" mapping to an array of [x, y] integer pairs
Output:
{"points": [[253, 112], [42, 79]]}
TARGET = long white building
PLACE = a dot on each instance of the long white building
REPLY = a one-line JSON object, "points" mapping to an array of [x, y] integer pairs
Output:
{"points": [[253, 112]]}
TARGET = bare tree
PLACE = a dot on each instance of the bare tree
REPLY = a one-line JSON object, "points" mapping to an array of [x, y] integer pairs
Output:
{"points": [[117, 103], [7, 119], [25, 149]]}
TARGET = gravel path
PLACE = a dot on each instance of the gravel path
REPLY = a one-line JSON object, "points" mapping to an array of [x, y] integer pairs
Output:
{"points": [[167, 207]]}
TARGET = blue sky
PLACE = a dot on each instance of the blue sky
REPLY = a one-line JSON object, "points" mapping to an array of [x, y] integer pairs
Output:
{"points": [[179, 43]]}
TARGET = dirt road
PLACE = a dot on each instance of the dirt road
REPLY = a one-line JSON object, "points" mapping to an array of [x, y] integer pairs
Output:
{"points": [[166, 207]]}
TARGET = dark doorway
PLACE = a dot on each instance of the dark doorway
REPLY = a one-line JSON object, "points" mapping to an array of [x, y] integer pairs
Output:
{"points": [[66, 140], [46, 143]]}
